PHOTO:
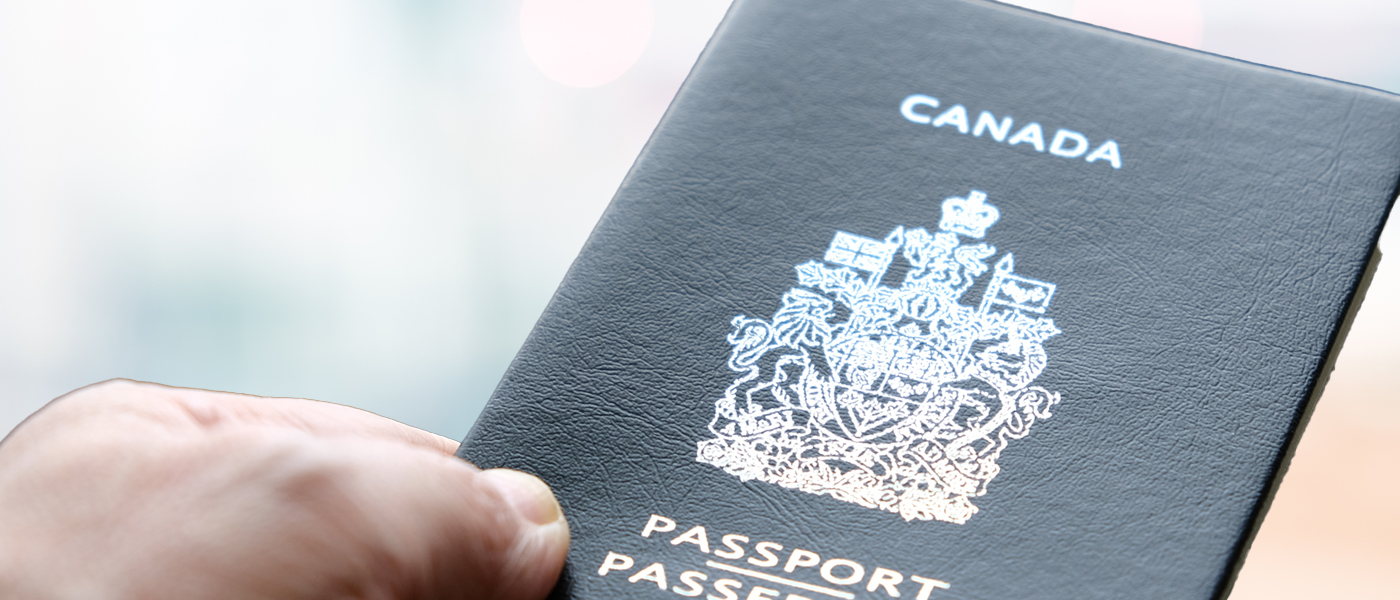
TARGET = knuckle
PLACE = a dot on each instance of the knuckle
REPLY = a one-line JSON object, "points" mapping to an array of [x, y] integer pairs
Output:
{"points": [[109, 392], [305, 477], [109, 388]]}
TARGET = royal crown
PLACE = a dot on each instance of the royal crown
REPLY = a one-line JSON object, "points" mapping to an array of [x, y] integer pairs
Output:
{"points": [[970, 216]]}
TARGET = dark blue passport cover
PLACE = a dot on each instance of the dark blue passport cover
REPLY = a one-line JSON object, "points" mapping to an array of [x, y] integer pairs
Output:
{"points": [[947, 299]]}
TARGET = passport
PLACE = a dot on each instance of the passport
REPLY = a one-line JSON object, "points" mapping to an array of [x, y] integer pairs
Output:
{"points": [[948, 299]]}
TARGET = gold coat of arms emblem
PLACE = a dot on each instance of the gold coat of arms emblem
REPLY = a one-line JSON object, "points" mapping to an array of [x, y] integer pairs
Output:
{"points": [[875, 385]]}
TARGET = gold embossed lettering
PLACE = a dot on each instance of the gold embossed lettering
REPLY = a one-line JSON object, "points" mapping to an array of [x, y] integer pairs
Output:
{"points": [[955, 116], [766, 550], [615, 562], [801, 558], [857, 571], [696, 536], [1030, 134], [691, 579], [928, 585], [658, 524], [726, 587], [885, 578], [654, 572], [731, 541]]}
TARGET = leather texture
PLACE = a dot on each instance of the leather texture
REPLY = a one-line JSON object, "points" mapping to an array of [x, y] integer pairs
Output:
{"points": [[1201, 291]]}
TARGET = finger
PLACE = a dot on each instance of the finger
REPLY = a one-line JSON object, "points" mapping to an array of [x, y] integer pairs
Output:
{"points": [[313, 416], [276, 504], [531, 566], [203, 410], [416, 525]]}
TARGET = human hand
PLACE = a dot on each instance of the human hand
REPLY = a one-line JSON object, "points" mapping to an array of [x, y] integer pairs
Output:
{"points": [[136, 490]]}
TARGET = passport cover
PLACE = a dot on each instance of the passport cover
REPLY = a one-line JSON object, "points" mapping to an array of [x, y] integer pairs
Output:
{"points": [[948, 299]]}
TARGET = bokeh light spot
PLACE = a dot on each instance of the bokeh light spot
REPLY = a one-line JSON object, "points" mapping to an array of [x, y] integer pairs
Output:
{"points": [[585, 43]]}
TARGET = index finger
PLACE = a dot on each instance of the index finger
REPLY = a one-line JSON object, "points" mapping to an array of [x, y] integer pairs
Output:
{"points": [[205, 410]]}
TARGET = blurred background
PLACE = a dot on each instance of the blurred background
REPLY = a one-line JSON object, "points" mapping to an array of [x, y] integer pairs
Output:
{"points": [[370, 202]]}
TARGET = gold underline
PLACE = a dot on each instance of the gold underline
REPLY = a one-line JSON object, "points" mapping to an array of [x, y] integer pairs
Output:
{"points": [[775, 579]]}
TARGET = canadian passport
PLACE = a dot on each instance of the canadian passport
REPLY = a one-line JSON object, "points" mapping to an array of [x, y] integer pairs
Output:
{"points": [[948, 299]]}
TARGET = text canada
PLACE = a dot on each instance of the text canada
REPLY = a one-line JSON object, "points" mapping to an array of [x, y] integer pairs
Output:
{"points": [[927, 110]]}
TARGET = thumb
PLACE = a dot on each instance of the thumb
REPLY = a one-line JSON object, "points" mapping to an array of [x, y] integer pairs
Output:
{"points": [[538, 553], [209, 495], [449, 530]]}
